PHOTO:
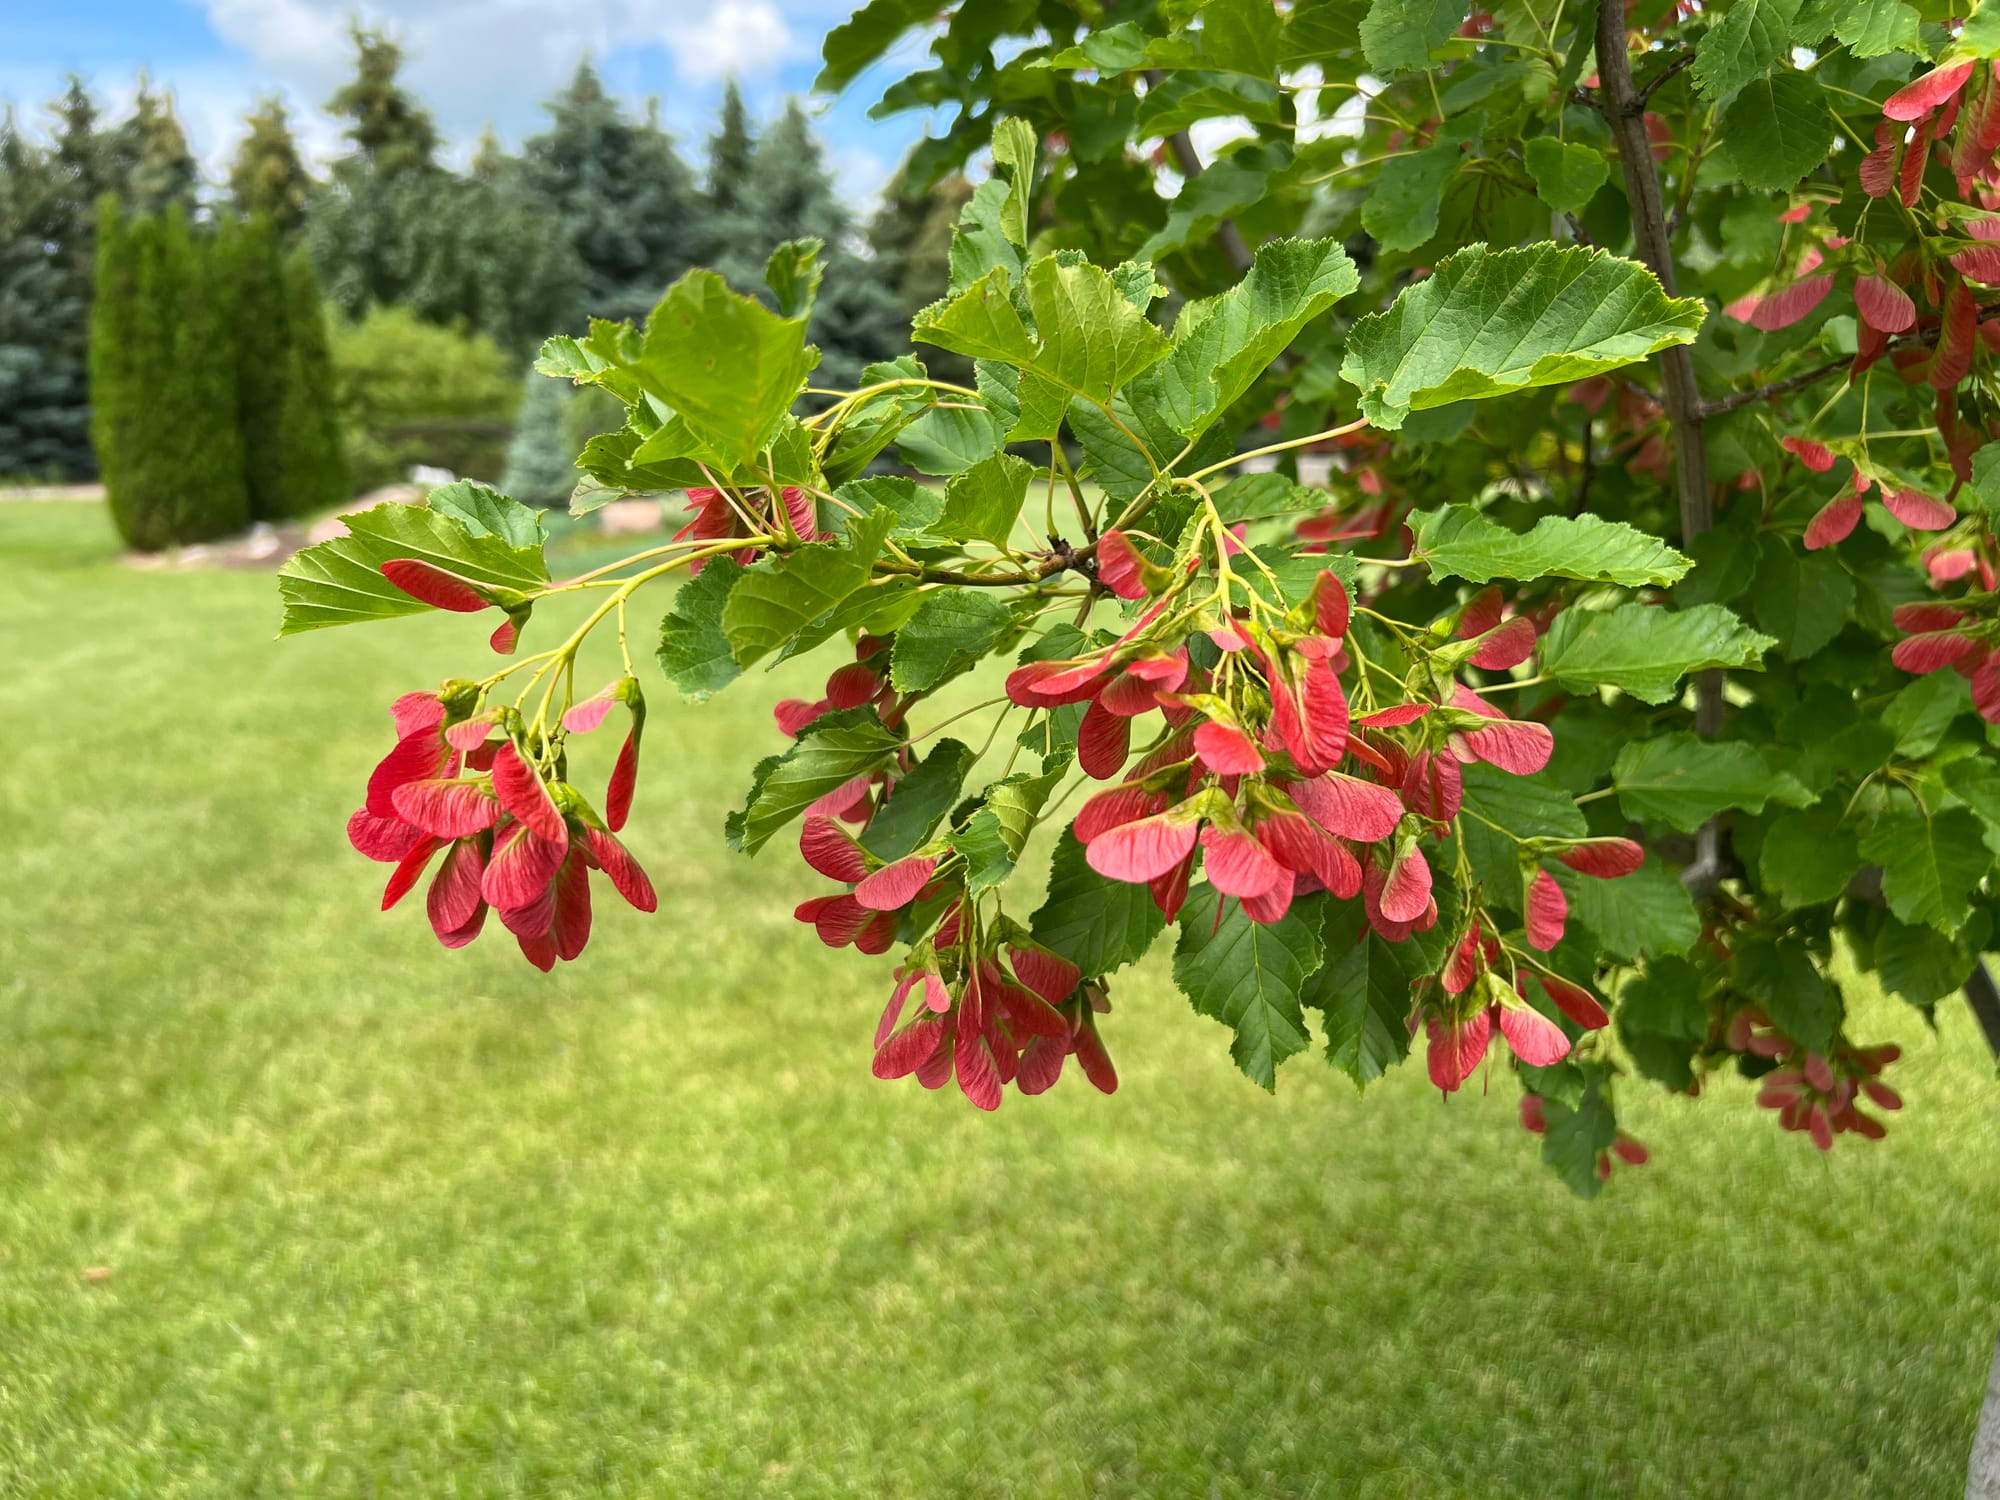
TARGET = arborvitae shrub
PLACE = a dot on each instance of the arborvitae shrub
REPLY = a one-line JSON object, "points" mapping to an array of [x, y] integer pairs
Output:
{"points": [[164, 383], [246, 255], [198, 396], [314, 459]]}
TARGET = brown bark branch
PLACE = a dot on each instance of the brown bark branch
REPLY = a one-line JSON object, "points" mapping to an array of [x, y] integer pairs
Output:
{"points": [[1685, 60], [1984, 998], [1800, 381], [1625, 111], [1776, 388], [1227, 236]]}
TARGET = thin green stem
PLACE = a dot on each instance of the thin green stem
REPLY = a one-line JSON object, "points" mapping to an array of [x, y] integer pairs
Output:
{"points": [[1289, 443]]}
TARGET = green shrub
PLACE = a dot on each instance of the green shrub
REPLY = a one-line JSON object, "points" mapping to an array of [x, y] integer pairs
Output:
{"points": [[415, 393], [246, 253], [315, 475], [164, 383]]}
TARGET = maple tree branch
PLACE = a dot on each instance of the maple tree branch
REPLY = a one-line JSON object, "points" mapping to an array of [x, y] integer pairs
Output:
{"points": [[1984, 998], [1625, 111], [1776, 388], [1227, 236], [1800, 381], [1685, 60]]}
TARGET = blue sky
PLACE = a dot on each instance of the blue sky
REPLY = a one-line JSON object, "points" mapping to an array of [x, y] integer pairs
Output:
{"points": [[474, 61]]}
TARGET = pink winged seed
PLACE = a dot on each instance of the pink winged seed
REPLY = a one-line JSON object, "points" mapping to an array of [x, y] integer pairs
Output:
{"points": [[1574, 1001], [1918, 511], [1917, 99], [454, 899], [385, 840], [1548, 911], [1536, 1040], [1456, 1048], [1049, 975], [624, 781], [1348, 806], [523, 794], [448, 809], [1227, 750], [1237, 864], [622, 870], [826, 847], [428, 584], [1834, 523], [1406, 892], [1142, 850], [895, 886]]}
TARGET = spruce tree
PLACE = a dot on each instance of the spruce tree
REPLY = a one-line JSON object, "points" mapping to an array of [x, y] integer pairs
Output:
{"points": [[314, 473], [83, 169], [79, 169], [392, 132], [909, 241], [44, 390], [788, 194], [731, 149], [541, 464], [267, 178], [625, 201], [151, 165]]}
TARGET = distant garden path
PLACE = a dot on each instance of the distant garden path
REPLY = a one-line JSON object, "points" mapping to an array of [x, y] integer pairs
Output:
{"points": [[52, 492]]}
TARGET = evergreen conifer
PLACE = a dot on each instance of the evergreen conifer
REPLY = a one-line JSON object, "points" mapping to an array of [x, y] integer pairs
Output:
{"points": [[392, 132], [164, 382], [267, 177], [314, 459], [245, 252], [621, 195], [152, 168], [44, 392], [541, 467]]}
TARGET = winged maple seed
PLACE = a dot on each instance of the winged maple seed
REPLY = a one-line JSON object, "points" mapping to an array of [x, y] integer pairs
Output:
{"points": [[513, 839]]}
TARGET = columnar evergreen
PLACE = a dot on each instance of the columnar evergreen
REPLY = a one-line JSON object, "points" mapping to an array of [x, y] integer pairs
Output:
{"points": [[313, 467], [246, 256], [164, 383], [214, 401]]}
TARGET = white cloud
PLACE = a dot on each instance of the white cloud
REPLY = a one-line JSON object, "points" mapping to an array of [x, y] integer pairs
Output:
{"points": [[481, 60], [859, 175], [740, 38]]}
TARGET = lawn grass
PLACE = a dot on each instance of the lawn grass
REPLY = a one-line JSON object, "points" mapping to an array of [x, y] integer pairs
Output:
{"points": [[386, 1220]]}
